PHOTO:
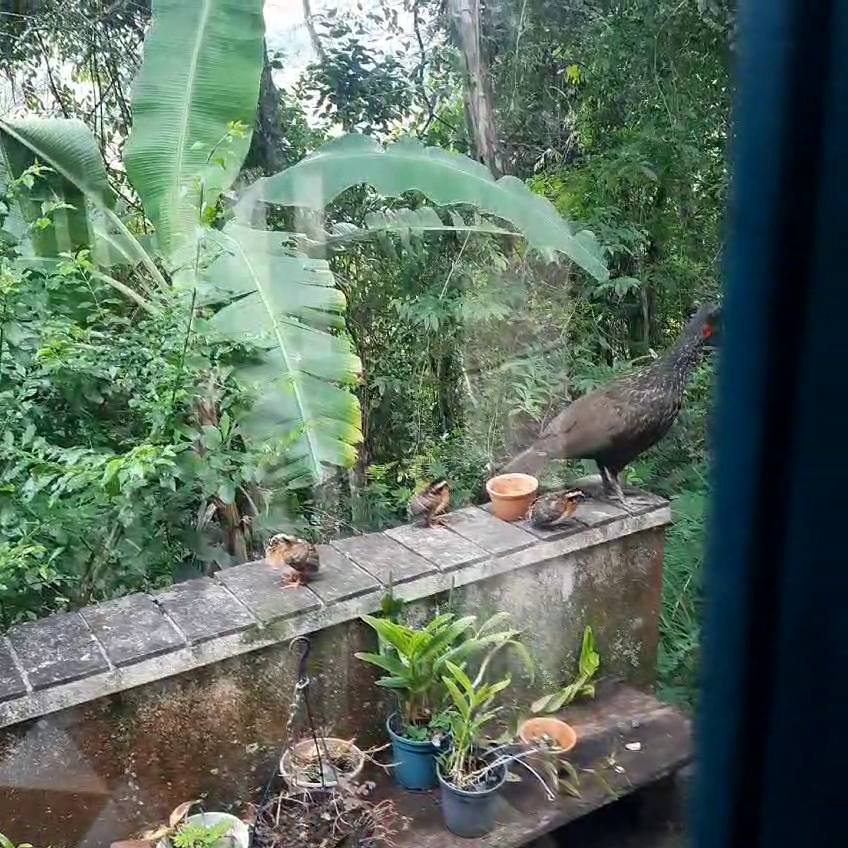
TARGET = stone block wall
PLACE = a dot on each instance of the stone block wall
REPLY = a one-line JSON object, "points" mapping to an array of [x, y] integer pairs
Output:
{"points": [[111, 716]]}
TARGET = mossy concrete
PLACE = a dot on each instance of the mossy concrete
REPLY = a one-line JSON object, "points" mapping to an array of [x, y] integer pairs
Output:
{"points": [[103, 770]]}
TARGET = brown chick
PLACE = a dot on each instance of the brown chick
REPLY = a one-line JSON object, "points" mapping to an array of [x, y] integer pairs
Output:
{"points": [[299, 555], [425, 508], [550, 510]]}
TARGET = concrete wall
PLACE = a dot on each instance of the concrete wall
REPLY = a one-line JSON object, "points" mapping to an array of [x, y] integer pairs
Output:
{"points": [[110, 717]]}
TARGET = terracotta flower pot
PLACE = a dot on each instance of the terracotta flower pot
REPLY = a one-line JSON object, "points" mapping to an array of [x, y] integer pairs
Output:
{"points": [[559, 735], [511, 495]]}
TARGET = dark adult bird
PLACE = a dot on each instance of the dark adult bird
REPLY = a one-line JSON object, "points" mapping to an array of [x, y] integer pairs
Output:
{"points": [[616, 423], [556, 508], [299, 555], [425, 508]]}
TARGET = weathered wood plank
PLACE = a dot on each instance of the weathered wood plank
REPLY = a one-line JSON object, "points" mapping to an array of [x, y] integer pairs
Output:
{"points": [[604, 728]]}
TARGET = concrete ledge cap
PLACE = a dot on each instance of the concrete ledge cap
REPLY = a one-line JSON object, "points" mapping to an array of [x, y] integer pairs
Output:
{"points": [[69, 659]]}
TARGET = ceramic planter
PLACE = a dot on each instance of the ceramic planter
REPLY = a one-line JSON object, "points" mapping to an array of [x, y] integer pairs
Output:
{"points": [[414, 762], [511, 495], [557, 734], [238, 829]]}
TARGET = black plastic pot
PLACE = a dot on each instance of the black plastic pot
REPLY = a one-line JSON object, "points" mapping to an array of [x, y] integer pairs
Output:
{"points": [[471, 814]]}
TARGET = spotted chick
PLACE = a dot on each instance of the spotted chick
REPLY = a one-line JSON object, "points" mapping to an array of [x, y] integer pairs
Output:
{"points": [[550, 510], [299, 555], [425, 508]]}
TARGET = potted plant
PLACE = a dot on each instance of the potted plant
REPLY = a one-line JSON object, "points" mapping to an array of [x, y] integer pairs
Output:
{"points": [[414, 668], [202, 830], [470, 774]]}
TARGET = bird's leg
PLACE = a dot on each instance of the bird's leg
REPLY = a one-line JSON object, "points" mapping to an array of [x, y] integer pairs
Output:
{"points": [[619, 493], [609, 487], [607, 480], [436, 521], [612, 488], [293, 581]]}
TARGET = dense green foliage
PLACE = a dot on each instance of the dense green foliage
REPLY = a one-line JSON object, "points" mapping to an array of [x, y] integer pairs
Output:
{"points": [[133, 447], [107, 465]]}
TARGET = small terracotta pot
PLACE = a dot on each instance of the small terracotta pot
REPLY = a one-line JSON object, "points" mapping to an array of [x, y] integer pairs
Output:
{"points": [[511, 495], [562, 734]]}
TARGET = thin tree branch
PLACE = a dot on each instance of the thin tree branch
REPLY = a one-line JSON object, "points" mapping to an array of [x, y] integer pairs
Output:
{"points": [[50, 81]]}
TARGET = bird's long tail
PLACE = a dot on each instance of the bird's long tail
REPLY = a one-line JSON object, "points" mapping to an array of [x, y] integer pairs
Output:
{"points": [[530, 461]]}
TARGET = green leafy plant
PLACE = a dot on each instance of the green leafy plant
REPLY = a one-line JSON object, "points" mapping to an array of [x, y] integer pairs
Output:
{"points": [[238, 270], [196, 835], [581, 686], [473, 762], [180, 833], [224, 282], [5, 842], [471, 710], [415, 669]]}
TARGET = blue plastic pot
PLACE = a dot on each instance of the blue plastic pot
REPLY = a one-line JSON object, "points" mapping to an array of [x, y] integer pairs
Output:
{"points": [[471, 814], [415, 762]]}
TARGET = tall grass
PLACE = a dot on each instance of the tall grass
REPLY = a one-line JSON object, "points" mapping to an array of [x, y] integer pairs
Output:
{"points": [[680, 618], [678, 469]]}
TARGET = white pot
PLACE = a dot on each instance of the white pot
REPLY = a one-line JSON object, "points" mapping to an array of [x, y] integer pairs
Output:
{"points": [[328, 744], [238, 829]]}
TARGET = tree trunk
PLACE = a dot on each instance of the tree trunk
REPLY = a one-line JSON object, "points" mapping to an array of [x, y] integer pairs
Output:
{"points": [[233, 520], [265, 156], [448, 373], [465, 15], [313, 33]]}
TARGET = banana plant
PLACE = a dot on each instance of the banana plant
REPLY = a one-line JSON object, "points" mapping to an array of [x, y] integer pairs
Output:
{"points": [[199, 76], [199, 80], [446, 178]]}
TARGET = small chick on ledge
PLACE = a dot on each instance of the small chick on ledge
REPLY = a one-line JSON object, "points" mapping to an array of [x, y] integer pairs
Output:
{"points": [[299, 555], [548, 511], [425, 508]]}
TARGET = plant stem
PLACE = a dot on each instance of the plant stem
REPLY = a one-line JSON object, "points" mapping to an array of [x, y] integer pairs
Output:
{"points": [[184, 350], [549, 794], [2, 333]]}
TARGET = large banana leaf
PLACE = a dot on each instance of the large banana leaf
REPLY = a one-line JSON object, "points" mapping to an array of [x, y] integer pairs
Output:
{"points": [[285, 304], [13, 226], [409, 225], [446, 178], [200, 73], [77, 182], [77, 172]]}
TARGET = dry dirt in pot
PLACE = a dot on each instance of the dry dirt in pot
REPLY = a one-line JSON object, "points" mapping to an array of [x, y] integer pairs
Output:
{"points": [[309, 769], [342, 818]]}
